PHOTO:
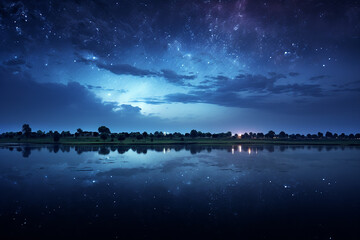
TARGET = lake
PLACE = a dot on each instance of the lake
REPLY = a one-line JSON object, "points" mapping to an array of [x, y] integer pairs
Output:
{"points": [[177, 192]]}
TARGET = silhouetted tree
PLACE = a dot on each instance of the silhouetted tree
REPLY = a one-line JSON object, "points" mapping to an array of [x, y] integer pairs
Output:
{"points": [[26, 152], [40, 133], [103, 129], [270, 134], [80, 131], [26, 130], [282, 134], [103, 136], [121, 137], [193, 133], [328, 135], [145, 134], [342, 136], [56, 136], [260, 135], [65, 134], [320, 135]]}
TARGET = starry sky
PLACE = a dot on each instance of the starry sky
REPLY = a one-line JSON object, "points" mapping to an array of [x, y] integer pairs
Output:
{"points": [[212, 65]]}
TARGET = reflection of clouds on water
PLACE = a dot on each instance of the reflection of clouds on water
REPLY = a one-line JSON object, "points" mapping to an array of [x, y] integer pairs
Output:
{"points": [[124, 172], [170, 165]]}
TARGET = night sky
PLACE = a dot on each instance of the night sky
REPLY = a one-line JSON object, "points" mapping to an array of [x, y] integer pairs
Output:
{"points": [[209, 65]]}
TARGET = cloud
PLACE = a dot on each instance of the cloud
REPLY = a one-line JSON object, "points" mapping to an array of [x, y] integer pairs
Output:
{"points": [[225, 99], [105, 89], [294, 74], [175, 78], [313, 90], [126, 69], [245, 91], [243, 82], [130, 109], [50, 105], [276, 75], [259, 84], [153, 101], [319, 77]]}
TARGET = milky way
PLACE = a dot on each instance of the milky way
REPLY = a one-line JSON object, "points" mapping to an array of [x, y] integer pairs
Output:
{"points": [[177, 65]]}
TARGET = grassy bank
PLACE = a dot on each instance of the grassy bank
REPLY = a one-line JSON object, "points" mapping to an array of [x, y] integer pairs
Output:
{"points": [[167, 141]]}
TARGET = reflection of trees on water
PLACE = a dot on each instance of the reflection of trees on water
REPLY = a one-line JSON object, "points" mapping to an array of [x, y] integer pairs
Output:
{"points": [[26, 152], [193, 149], [104, 151]]}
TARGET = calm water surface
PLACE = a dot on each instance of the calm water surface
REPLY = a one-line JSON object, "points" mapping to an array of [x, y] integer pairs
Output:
{"points": [[212, 192]]}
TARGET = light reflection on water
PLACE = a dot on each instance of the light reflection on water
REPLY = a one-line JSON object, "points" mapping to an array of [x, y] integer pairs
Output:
{"points": [[240, 190]]}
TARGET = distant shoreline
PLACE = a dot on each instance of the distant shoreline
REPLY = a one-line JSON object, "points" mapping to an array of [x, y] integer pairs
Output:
{"points": [[200, 141]]}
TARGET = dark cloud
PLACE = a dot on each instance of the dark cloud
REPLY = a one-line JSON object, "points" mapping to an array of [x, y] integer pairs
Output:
{"points": [[175, 78], [91, 87], [284, 109], [319, 77], [312, 90], [347, 90], [276, 75], [294, 74], [130, 110], [227, 99], [245, 91], [50, 105], [153, 101], [126, 69], [353, 86], [261, 84]]}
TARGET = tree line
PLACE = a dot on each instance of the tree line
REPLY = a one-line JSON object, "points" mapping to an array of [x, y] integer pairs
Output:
{"points": [[104, 133]]}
